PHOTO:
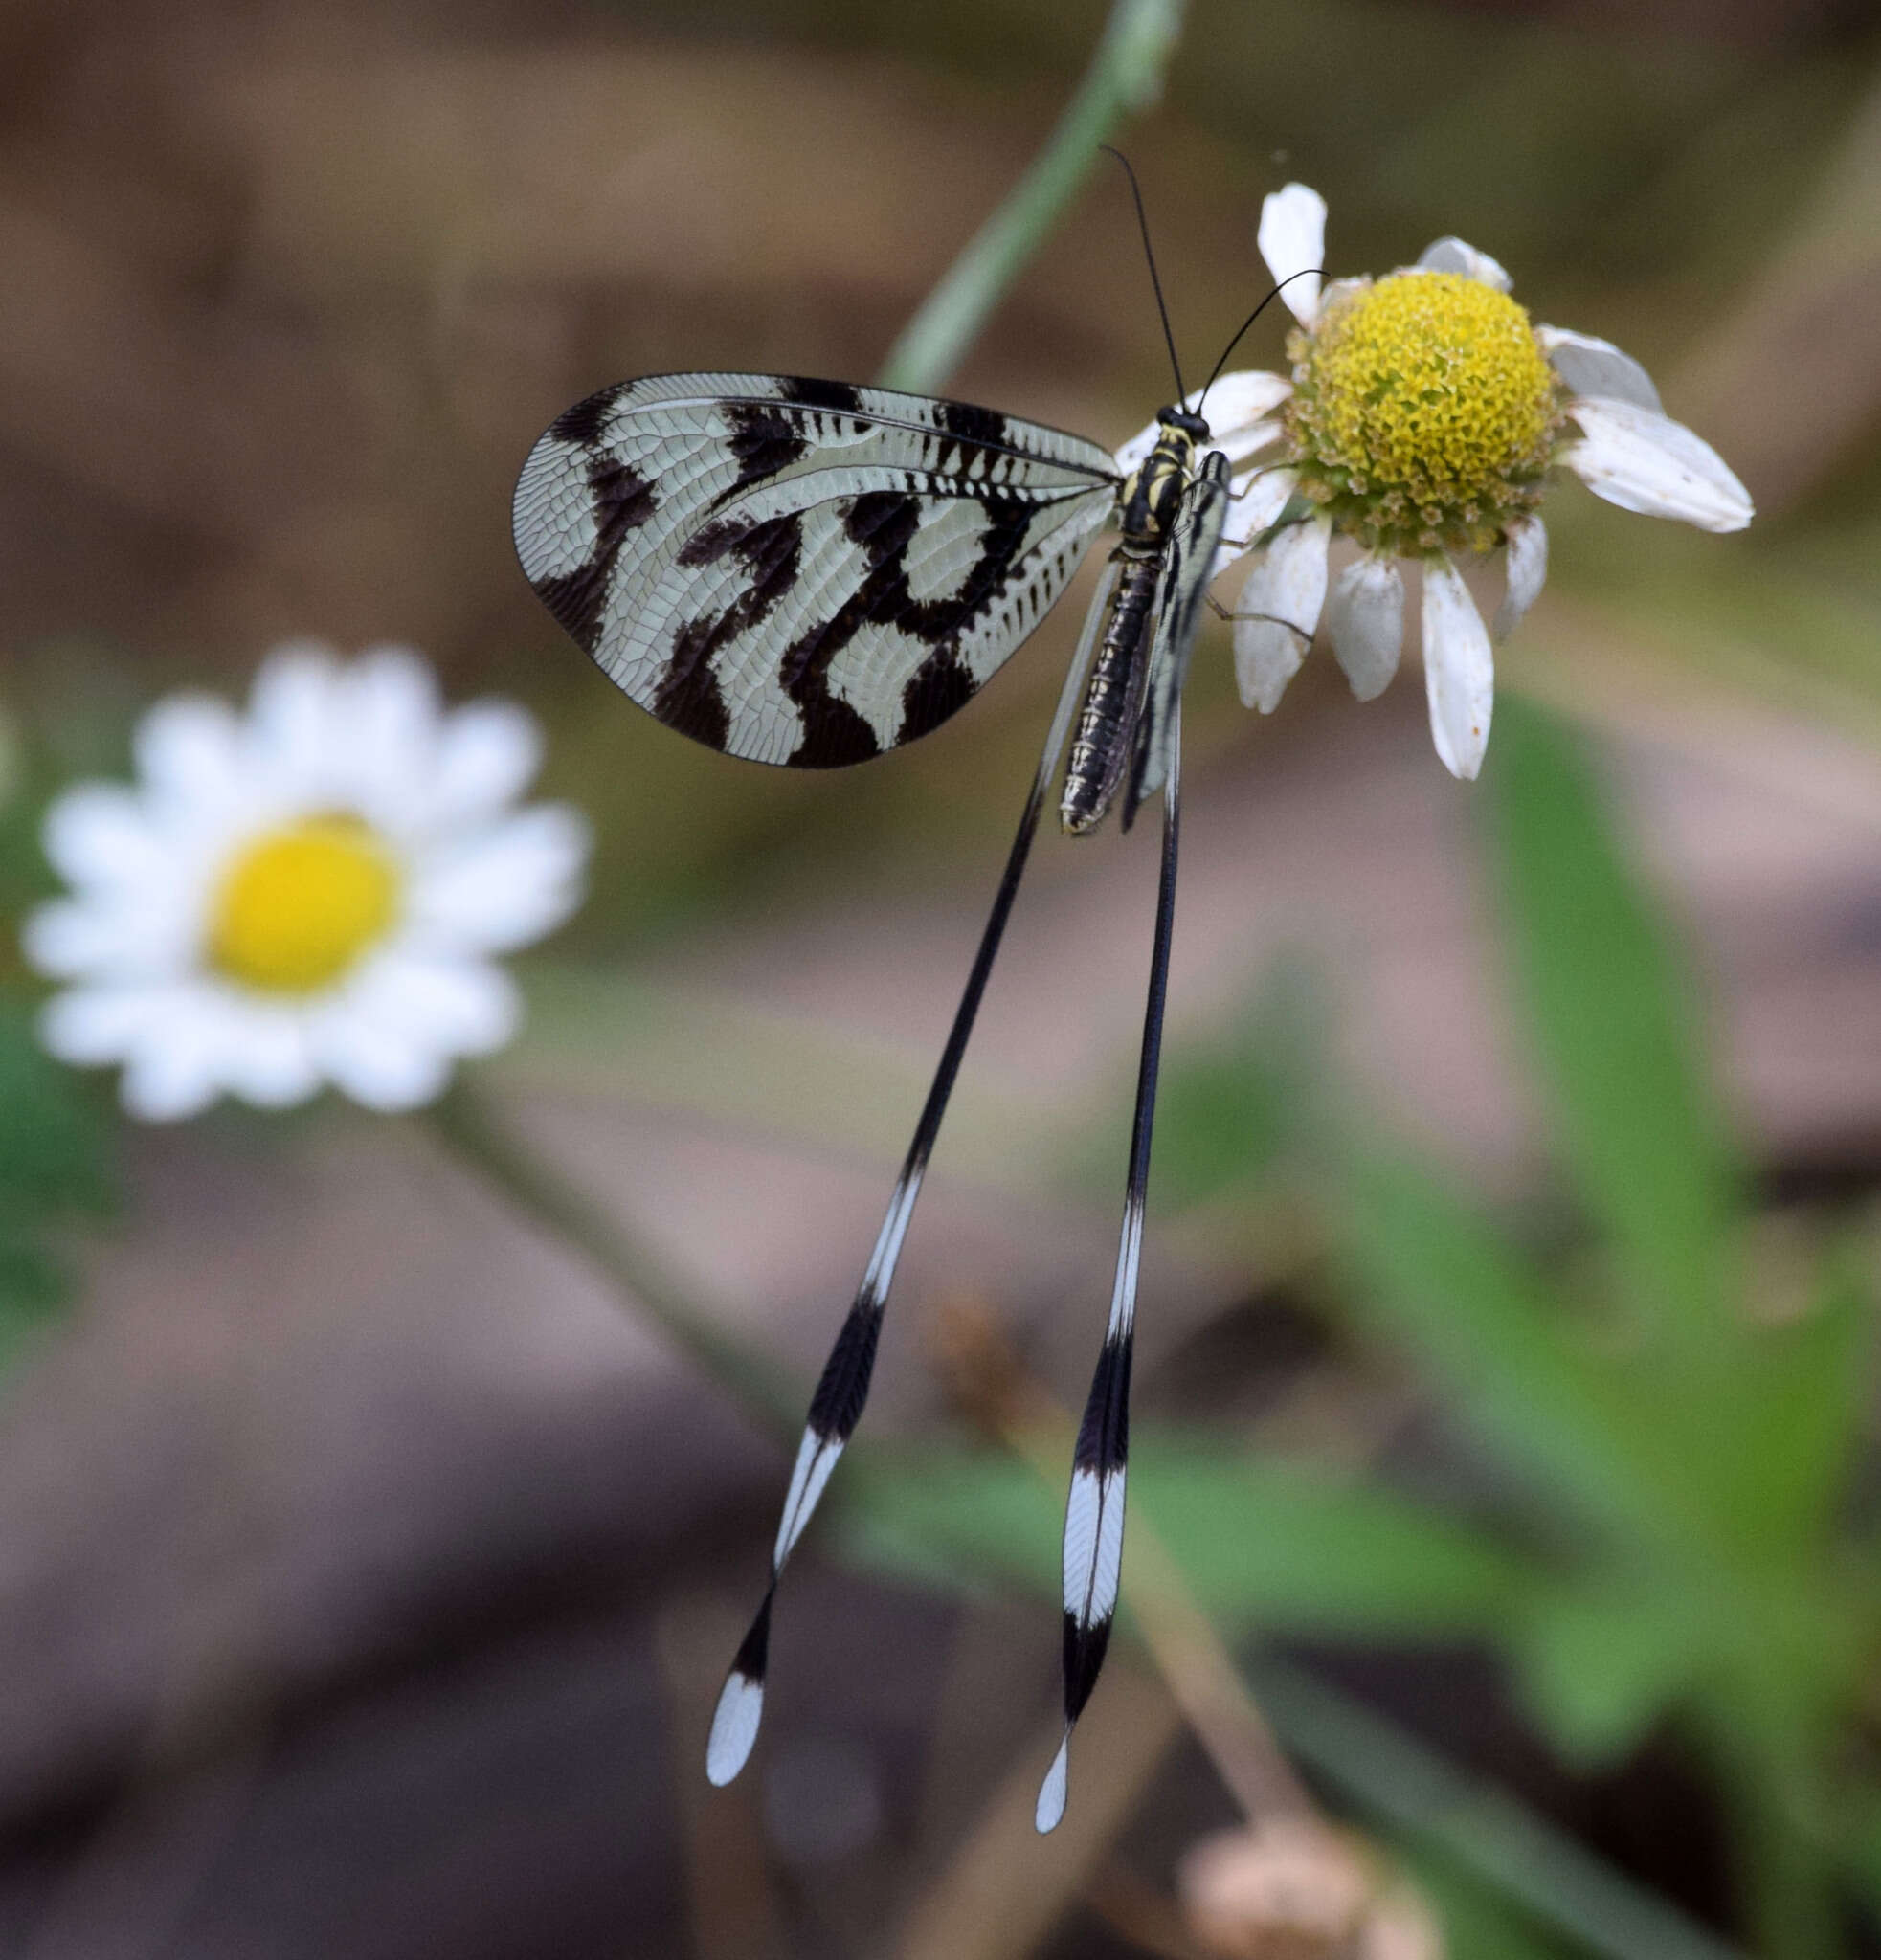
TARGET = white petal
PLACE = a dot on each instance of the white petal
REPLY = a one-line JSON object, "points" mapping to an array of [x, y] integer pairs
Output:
{"points": [[294, 743], [1277, 612], [375, 1065], [174, 1069], [385, 727], [264, 1054], [1249, 440], [1365, 617], [1595, 367], [487, 752], [1234, 404], [122, 934], [64, 939], [99, 834], [505, 885], [1459, 669], [1240, 400], [89, 1025], [1525, 568], [1649, 464], [1452, 255], [1258, 499], [461, 1006], [1268, 654], [1293, 241], [188, 754]]}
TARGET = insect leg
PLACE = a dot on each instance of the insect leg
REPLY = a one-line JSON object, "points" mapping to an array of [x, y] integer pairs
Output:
{"points": [[836, 1406], [1094, 1511]]}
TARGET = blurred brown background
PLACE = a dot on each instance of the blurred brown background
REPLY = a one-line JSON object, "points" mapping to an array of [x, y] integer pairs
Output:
{"points": [[365, 1581]]}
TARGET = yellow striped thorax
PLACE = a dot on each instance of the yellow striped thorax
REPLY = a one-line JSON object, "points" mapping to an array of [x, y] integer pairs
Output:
{"points": [[1153, 492]]}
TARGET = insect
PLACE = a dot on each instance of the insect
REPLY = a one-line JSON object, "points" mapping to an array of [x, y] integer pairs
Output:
{"points": [[810, 573]]}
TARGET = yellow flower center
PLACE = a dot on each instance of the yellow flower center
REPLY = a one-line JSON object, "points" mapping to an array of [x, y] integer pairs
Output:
{"points": [[1424, 413], [298, 906]]}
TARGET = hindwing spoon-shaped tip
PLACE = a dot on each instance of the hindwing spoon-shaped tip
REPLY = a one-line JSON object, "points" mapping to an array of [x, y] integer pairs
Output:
{"points": [[1050, 1807]]}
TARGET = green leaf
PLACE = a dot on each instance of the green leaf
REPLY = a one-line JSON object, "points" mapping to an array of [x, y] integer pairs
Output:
{"points": [[1477, 1925], [1391, 1774], [1599, 1665], [1280, 1547], [1479, 1319], [1861, 1845], [1743, 1461], [54, 1142], [1262, 1544], [54, 1164], [1797, 1418], [1229, 1106], [32, 1282], [1613, 1024], [950, 1517]]}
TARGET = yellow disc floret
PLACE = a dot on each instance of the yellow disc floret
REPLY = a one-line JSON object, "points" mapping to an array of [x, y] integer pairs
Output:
{"points": [[1424, 413], [297, 906]]}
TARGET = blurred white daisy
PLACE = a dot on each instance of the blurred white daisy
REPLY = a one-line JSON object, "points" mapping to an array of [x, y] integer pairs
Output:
{"points": [[310, 893], [1422, 415]]}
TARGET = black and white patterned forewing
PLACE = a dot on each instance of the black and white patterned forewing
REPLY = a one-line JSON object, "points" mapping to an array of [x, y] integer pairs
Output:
{"points": [[802, 571]]}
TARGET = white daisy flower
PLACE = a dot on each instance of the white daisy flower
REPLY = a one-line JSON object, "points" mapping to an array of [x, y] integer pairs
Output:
{"points": [[1422, 418], [311, 893]]}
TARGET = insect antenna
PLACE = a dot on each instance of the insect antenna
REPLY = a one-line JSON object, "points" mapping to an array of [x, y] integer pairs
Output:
{"points": [[1143, 226], [1215, 373], [837, 1405], [1094, 1509]]}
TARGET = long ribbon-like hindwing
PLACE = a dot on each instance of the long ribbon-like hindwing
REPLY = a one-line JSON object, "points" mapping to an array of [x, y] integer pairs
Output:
{"points": [[1094, 1522], [836, 1406], [1094, 1511]]}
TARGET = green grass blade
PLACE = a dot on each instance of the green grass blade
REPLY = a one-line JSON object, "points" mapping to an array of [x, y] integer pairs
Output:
{"points": [[1433, 1275], [1613, 1025]]}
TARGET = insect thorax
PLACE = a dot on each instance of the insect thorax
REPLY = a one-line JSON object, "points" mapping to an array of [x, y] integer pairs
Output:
{"points": [[1106, 738], [1151, 495]]}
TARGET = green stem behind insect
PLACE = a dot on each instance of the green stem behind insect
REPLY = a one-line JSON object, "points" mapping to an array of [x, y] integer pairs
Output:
{"points": [[1125, 76]]}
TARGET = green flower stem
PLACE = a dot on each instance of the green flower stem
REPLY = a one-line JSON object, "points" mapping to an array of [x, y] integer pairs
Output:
{"points": [[1125, 76], [473, 1130], [1390, 1773]]}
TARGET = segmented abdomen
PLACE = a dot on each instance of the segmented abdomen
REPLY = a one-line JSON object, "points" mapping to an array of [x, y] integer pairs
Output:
{"points": [[1100, 749]]}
